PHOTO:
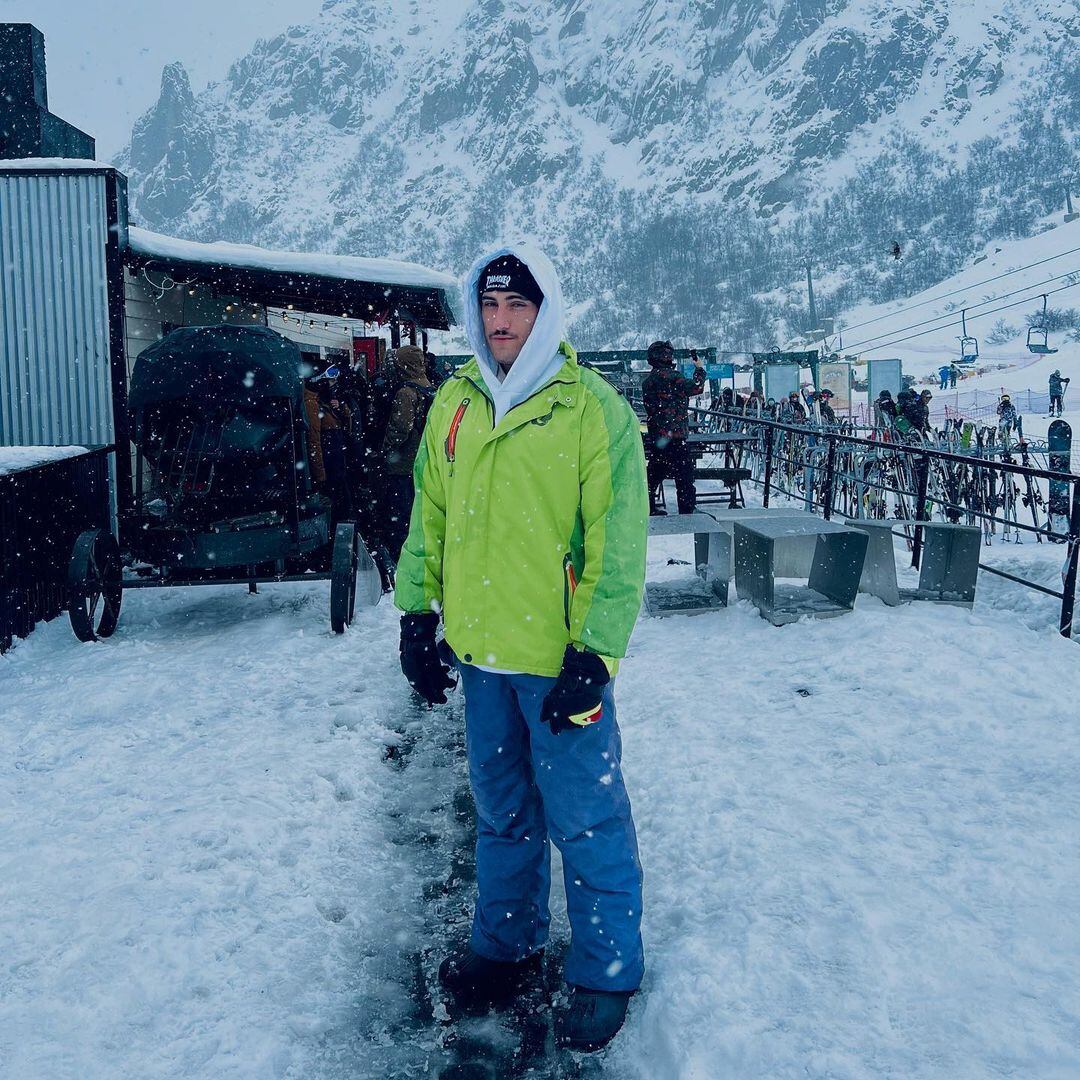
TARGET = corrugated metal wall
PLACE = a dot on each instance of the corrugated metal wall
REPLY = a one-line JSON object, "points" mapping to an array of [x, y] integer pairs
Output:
{"points": [[54, 312]]}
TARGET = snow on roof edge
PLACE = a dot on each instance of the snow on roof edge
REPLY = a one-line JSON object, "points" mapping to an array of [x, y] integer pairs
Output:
{"points": [[50, 164], [15, 459], [345, 267]]}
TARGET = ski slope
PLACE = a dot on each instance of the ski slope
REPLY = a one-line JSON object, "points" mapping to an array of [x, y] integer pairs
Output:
{"points": [[923, 331], [858, 838]]}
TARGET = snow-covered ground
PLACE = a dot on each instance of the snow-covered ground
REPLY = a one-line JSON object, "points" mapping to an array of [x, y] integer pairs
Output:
{"points": [[858, 835]]}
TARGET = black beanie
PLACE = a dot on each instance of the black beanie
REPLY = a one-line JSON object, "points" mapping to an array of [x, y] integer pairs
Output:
{"points": [[660, 354], [509, 274]]}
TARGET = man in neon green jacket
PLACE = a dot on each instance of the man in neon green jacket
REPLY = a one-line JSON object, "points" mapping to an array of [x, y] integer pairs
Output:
{"points": [[527, 537]]}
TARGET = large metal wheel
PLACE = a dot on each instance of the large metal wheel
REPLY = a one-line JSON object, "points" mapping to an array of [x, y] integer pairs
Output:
{"points": [[95, 585], [343, 566]]}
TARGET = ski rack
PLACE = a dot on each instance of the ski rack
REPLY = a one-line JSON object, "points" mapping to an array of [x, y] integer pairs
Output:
{"points": [[838, 471]]}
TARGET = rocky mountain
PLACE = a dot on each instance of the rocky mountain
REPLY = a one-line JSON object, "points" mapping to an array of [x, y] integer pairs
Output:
{"points": [[681, 160]]}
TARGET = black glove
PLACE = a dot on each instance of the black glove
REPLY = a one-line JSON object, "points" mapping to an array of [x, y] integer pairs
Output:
{"points": [[421, 662], [574, 701]]}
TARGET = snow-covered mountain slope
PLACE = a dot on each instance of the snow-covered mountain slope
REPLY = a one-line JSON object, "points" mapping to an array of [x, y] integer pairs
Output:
{"points": [[999, 291], [640, 141]]}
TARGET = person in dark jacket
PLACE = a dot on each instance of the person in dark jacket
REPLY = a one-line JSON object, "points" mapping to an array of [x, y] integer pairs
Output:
{"points": [[792, 410], [666, 395], [1058, 384], [1008, 420], [730, 401], [916, 410], [828, 414], [886, 406], [404, 429], [329, 420], [438, 370]]}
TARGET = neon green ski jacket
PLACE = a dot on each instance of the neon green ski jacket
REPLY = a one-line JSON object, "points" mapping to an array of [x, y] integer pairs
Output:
{"points": [[530, 533]]}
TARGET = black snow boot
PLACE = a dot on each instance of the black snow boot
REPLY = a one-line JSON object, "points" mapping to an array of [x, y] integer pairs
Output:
{"points": [[479, 983], [591, 1019]]}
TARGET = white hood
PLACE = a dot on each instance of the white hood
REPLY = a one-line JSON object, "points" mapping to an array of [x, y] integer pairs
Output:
{"points": [[540, 358]]}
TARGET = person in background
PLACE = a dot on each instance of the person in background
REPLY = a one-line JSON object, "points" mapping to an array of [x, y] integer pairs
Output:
{"points": [[1058, 386], [328, 421], [792, 410], [954, 374], [828, 413], [886, 407], [313, 420], [352, 389], [944, 373], [1008, 420], [404, 430], [917, 411], [438, 370], [666, 394], [730, 401]]}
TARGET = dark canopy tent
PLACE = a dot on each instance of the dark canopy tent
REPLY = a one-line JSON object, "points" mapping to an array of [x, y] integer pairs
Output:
{"points": [[238, 387], [243, 365]]}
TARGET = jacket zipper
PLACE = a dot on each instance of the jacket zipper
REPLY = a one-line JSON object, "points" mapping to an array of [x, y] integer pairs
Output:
{"points": [[452, 434], [569, 585]]}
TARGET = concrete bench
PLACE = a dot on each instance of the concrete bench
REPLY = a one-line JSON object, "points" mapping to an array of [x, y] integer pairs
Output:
{"points": [[949, 566], [712, 565], [833, 580], [794, 558]]}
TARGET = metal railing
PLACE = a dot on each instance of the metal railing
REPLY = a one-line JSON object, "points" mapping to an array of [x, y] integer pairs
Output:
{"points": [[838, 471]]}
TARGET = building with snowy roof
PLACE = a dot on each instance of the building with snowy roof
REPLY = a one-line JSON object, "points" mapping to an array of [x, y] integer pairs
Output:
{"points": [[85, 290]]}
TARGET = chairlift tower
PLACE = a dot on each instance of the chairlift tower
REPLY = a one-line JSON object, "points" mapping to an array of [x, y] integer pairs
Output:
{"points": [[810, 295]]}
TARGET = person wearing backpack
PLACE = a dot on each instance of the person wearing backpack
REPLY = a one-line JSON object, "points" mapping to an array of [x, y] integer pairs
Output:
{"points": [[404, 429]]}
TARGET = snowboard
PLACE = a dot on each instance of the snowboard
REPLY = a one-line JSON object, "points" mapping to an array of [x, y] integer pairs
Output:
{"points": [[1059, 444]]}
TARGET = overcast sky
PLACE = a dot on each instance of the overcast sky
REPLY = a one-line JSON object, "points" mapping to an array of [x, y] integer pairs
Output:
{"points": [[105, 57]]}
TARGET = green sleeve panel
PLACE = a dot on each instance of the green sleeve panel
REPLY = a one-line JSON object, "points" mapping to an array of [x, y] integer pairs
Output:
{"points": [[614, 512], [419, 585]]}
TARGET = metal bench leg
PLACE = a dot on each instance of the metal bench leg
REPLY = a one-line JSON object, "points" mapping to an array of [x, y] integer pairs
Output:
{"points": [[879, 570], [838, 566]]}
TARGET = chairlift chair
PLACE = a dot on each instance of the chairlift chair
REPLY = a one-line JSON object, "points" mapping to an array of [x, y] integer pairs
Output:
{"points": [[969, 346], [1038, 336]]}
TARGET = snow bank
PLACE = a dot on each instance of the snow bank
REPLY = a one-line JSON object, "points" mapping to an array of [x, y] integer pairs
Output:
{"points": [[346, 267], [15, 458]]}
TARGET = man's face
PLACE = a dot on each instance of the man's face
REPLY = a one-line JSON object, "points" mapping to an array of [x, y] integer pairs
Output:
{"points": [[508, 322]]}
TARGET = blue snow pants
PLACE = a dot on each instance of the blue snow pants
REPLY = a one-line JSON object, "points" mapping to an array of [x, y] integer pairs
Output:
{"points": [[531, 786]]}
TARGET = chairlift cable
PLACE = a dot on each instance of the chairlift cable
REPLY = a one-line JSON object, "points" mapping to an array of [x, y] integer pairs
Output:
{"points": [[994, 311], [965, 288], [948, 315]]}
